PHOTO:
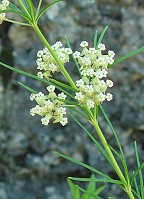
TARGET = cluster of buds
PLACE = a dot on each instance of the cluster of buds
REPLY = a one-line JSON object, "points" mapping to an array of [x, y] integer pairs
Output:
{"points": [[49, 106], [94, 69], [47, 64], [3, 6]]}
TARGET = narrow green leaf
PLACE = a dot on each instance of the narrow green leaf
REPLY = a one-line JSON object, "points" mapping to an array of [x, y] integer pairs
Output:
{"points": [[101, 36], [99, 147], [38, 9], [75, 60], [62, 84], [137, 171], [95, 39], [136, 187], [118, 182], [138, 196], [140, 172], [91, 188], [74, 190], [31, 9], [90, 194], [78, 112], [82, 164], [25, 11], [27, 88], [35, 77], [15, 8], [132, 53], [100, 189], [46, 8], [118, 142]]}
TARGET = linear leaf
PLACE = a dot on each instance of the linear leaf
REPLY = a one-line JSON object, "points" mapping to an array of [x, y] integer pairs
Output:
{"points": [[140, 172], [99, 147], [101, 36], [82, 164], [31, 8], [62, 84], [46, 8], [137, 171], [95, 39], [132, 53], [27, 88], [35, 77], [96, 180], [74, 190], [90, 194], [75, 60], [38, 9], [118, 142], [15, 8]]}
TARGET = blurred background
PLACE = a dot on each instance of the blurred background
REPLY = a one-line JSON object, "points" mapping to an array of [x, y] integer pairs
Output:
{"points": [[28, 169]]}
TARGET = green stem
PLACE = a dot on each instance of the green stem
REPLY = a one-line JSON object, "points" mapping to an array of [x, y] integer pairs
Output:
{"points": [[16, 22], [63, 70], [113, 160]]}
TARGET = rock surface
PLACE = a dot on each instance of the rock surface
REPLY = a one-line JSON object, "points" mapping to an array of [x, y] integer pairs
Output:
{"points": [[28, 168]]}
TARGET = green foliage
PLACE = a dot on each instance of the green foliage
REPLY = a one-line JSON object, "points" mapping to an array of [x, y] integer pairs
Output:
{"points": [[91, 192], [133, 185]]}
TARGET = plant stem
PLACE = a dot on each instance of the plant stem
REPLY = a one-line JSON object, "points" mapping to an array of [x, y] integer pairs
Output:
{"points": [[17, 22], [63, 70], [113, 160]]}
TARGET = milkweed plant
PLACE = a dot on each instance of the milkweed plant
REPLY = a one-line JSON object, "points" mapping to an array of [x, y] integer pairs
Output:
{"points": [[83, 97]]}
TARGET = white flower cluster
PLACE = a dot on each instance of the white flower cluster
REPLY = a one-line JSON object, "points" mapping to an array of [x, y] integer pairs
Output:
{"points": [[3, 6], [47, 64], [50, 106], [94, 69]]}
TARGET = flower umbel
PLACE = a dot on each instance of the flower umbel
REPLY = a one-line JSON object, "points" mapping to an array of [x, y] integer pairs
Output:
{"points": [[94, 70], [3, 7], [49, 106], [47, 64]]}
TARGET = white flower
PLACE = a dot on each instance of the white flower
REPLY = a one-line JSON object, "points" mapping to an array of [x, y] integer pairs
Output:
{"points": [[62, 96], [102, 97], [5, 3], [40, 75], [40, 53], [79, 96], [90, 103], [89, 89], [64, 121], [104, 73], [79, 83], [110, 60], [101, 47], [111, 53], [45, 121], [109, 96], [32, 96], [52, 67], [49, 104], [92, 50], [68, 51], [86, 61], [102, 83], [109, 83], [61, 111], [51, 88], [84, 44], [59, 43], [2, 17], [76, 54]]}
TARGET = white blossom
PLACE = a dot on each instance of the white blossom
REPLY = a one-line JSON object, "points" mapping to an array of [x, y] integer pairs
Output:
{"points": [[84, 44], [109, 96], [101, 47]]}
